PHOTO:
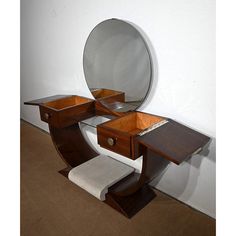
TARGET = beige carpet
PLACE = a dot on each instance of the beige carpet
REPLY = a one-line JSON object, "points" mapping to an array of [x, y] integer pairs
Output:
{"points": [[52, 205]]}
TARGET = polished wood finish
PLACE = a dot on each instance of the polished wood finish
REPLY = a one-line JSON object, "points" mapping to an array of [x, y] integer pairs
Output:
{"points": [[174, 141], [64, 110], [108, 101], [71, 145], [67, 111], [152, 166], [132, 193], [131, 204], [108, 95], [65, 171], [122, 141], [64, 113], [123, 131], [171, 142]]}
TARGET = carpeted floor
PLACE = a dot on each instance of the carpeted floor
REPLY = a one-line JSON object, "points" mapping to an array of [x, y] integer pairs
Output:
{"points": [[52, 205]]}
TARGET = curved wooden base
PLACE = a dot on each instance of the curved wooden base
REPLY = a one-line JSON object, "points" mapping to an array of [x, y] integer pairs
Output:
{"points": [[71, 145], [175, 143], [129, 195], [131, 204], [152, 166]]}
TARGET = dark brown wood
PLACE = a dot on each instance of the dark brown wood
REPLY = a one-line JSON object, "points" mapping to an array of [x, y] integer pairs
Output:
{"points": [[71, 145], [108, 95], [111, 101], [152, 166], [121, 142], [125, 183], [37, 102], [174, 141], [171, 142], [124, 130], [105, 97], [132, 204], [65, 171], [67, 111]]}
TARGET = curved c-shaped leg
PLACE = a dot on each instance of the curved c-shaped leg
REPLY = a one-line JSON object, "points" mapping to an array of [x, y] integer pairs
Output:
{"points": [[129, 195], [133, 193], [152, 166], [71, 145]]}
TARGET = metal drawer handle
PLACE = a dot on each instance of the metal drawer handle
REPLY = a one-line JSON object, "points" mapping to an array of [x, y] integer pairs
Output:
{"points": [[111, 141], [47, 116]]}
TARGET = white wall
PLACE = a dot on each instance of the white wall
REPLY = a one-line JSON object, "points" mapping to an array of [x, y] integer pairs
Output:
{"points": [[182, 36]]}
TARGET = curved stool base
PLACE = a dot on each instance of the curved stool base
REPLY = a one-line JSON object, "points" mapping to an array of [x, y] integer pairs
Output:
{"points": [[130, 205]]}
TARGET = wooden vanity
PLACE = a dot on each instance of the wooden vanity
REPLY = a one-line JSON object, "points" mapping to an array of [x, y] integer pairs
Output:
{"points": [[132, 134], [118, 70]]}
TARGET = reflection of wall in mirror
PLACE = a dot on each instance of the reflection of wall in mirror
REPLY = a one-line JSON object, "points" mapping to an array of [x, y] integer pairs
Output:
{"points": [[116, 57]]}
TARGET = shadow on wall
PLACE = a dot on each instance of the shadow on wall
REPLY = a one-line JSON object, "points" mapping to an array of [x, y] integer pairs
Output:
{"points": [[154, 66], [191, 167], [193, 162]]}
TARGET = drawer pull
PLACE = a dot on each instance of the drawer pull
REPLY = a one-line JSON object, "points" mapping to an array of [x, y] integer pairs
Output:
{"points": [[111, 141], [47, 116]]}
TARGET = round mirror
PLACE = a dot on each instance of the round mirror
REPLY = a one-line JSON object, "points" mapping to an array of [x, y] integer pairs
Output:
{"points": [[117, 65]]}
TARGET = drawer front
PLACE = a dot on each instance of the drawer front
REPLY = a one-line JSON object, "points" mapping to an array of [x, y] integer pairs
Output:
{"points": [[114, 142], [135, 147], [75, 114], [114, 98], [68, 116], [48, 115]]}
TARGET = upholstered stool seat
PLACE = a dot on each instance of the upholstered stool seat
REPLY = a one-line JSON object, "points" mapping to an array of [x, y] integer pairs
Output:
{"points": [[98, 174]]}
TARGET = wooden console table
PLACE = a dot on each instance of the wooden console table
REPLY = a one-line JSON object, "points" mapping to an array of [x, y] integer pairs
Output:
{"points": [[126, 133]]}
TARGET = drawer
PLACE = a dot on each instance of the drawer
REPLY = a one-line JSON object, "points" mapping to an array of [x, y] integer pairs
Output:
{"points": [[119, 135], [114, 141], [108, 95], [165, 137], [67, 111]]}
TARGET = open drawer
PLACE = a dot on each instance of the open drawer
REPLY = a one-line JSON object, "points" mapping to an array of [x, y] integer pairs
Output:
{"points": [[108, 95], [66, 111], [169, 139], [119, 135]]}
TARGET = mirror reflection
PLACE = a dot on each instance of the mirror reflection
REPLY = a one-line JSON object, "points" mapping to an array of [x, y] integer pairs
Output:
{"points": [[117, 65]]}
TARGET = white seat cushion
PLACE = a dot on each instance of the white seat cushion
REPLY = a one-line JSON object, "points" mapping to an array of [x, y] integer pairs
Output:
{"points": [[98, 174]]}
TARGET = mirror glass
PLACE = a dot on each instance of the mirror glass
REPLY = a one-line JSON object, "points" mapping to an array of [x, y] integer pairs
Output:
{"points": [[117, 65]]}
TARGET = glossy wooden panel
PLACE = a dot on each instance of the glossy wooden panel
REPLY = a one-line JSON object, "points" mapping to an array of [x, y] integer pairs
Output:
{"points": [[108, 95], [123, 131], [132, 204], [71, 145], [132, 193], [152, 166], [173, 141], [170, 142], [121, 142], [67, 111]]}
